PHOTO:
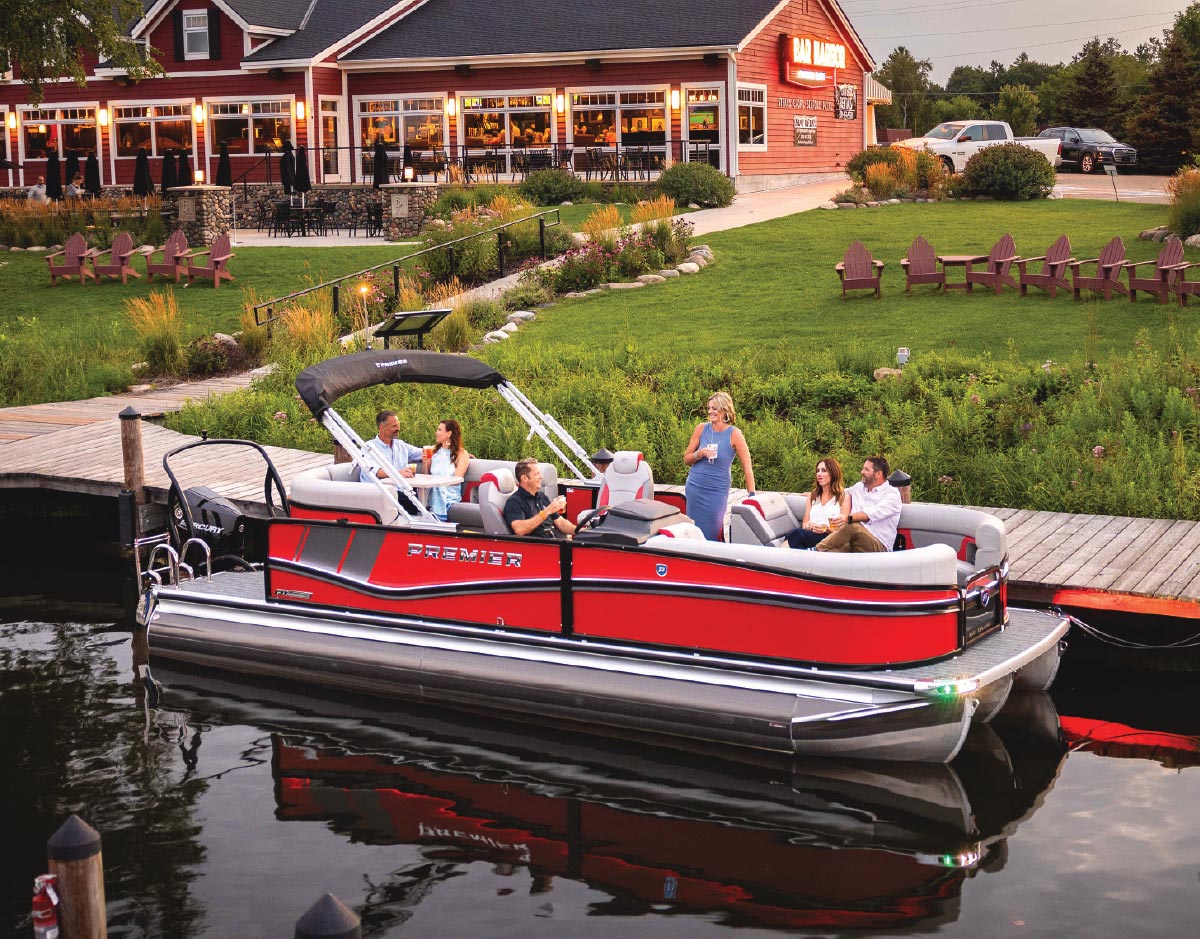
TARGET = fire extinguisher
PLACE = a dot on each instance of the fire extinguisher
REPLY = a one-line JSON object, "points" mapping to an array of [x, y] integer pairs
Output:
{"points": [[45, 907]]}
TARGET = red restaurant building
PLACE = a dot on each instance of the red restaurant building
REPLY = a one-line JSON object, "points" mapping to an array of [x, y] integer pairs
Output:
{"points": [[770, 91]]}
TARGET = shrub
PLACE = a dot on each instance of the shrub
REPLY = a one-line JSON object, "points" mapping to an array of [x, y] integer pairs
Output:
{"points": [[930, 170], [550, 187], [474, 261], [483, 315], [159, 326], [623, 192], [638, 254], [1009, 171], [585, 267], [856, 166], [453, 334], [206, 356], [881, 180], [1183, 217], [854, 194], [696, 182], [456, 198], [534, 287], [671, 237]]}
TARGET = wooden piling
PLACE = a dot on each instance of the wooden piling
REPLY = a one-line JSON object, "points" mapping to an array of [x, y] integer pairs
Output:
{"points": [[131, 454], [329, 918], [76, 860]]}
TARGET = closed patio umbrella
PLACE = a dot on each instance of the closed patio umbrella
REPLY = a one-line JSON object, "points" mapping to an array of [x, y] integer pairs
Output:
{"points": [[301, 184], [169, 177], [224, 170], [54, 187], [287, 169], [143, 185], [185, 169], [380, 176], [91, 174], [71, 167]]}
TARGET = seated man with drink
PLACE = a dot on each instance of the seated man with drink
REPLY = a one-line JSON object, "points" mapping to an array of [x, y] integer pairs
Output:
{"points": [[874, 513]]}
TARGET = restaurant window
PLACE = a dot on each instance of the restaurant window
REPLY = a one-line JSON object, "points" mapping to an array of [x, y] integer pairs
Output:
{"points": [[632, 118], [250, 126], [58, 129], [396, 122], [643, 118], [524, 120], [195, 34], [702, 125], [752, 117], [157, 127]]}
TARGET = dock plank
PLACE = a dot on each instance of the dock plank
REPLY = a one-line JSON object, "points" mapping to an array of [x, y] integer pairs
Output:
{"points": [[1155, 564], [1086, 568]]}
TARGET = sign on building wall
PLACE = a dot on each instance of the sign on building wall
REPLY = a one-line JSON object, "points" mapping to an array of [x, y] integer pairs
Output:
{"points": [[804, 130], [400, 205], [186, 209], [809, 62], [845, 102]]}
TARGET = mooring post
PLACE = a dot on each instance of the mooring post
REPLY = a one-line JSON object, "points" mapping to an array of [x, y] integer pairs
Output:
{"points": [[75, 859], [131, 454], [329, 918], [902, 481]]}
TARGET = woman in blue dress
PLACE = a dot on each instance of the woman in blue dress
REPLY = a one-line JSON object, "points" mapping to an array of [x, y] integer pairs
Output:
{"points": [[710, 455], [449, 459]]}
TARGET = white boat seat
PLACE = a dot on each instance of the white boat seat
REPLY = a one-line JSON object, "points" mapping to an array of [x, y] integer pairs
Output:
{"points": [[764, 519], [495, 489], [687, 530], [628, 478], [978, 539], [477, 469], [336, 487]]}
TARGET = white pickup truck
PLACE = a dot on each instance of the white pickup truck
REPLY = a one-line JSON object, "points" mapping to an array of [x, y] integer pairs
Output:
{"points": [[957, 141]]}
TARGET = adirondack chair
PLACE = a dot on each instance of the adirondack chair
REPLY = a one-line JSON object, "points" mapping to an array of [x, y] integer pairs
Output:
{"points": [[1054, 268], [74, 260], [218, 257], [1183, 287], [118, 259], [920, 267], [858, 270], [999, 260], [1166, 269], [172, 263], [1108, 272]]}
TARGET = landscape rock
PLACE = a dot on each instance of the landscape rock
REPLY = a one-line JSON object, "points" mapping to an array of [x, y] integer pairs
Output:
{"points": [[702, 249], [588, 293], [36, 248], [15, 248], [885, 372], [579, 238], [827, 205], [1149, 233], [521, 316], [872, 205], [984, 199], [634, 285], [687, 267], [226, 341], [140, 389], [566, 202], [697, 259], [575, 294], [893, 201], [652, 279], [496, 335], [1158, 236], [846, 205], [693, 205], [670, 272], [509, 328], [1193, 241]]}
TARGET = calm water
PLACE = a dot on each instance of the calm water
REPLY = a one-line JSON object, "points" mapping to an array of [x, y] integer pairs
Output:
{"points": [[228, 808]]}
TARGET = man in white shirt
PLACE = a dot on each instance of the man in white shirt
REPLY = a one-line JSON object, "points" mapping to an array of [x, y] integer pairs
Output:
{"points": [[874, 513], [391, 449], [37, 192]]}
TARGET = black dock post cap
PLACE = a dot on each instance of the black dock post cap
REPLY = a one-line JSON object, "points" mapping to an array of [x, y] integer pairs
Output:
{"points": [[75, 840], [329, 918], [130, 414], [900, 478]]}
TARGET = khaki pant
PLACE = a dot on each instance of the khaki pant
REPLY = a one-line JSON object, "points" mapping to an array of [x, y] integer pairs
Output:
{"points": [[852, 537]]}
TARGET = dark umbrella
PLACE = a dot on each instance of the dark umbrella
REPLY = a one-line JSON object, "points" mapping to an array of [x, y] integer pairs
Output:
{"points": [[71, 168], [91, 174], [9, 165], [381, 165], [287, 169], [302, 183], [185, 169], [54, 188], [169, 179], [143, 185], [224, 170]]}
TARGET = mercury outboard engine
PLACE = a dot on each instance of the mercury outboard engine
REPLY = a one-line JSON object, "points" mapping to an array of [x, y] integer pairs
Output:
{"points": [[203, 514]]}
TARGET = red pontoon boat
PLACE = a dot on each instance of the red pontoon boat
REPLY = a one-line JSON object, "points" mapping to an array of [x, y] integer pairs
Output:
{"points": [[636, 624]]}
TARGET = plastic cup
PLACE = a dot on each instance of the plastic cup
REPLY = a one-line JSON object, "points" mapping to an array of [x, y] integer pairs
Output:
{"points": [[428, 450], [712, 452]]}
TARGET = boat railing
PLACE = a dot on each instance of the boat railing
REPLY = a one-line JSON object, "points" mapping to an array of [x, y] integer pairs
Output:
{"points": [[207, 555], [171, 568]]}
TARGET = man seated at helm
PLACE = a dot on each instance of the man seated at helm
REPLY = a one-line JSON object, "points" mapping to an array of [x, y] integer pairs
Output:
{"points": [[529, 512]]}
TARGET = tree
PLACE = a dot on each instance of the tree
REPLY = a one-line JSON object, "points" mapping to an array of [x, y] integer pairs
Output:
{"points": [[958, 108], [908, 79], [1019, 106], [1092, 94], [969, 80], [1161, 129], [1026, 71], [49, 39]]}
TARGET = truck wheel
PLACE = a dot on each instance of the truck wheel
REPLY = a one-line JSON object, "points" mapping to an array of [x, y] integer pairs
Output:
{"points": [[948, 165], [1087, 163]]}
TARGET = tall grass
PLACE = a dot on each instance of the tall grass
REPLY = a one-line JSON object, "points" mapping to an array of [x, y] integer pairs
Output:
{"points": [[159, 327], [662, 207], [602, 224], [1183, 218]]}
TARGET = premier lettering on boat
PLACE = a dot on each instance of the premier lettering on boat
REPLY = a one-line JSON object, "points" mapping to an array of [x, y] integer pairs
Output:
{"points": [[465, 555]]}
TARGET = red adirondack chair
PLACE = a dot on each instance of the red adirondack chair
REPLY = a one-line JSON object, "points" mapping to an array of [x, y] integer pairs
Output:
{"points": [[218, 257], [1108, 272], [858, 270], [173, 263], [999, 260], [74, 260], [1054, 268], [118, 259], [1166, 269], [1183, 287], [920, 267]]}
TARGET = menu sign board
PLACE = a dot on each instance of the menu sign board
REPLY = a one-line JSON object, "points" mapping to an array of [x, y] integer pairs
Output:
{"points": [[804, 130], [845, 102], [808, 62]]}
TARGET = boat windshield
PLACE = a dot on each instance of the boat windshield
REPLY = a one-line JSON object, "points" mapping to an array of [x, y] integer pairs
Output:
{"points": [[946, 131]]}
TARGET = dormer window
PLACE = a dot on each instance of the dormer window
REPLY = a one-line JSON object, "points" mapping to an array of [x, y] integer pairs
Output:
{"points": [[195, 34]]}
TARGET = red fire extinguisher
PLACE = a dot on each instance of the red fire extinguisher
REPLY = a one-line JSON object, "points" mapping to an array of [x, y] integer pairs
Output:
{"points": [[45, 907]]}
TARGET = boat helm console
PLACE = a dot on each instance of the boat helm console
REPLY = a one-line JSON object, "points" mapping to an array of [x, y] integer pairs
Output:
{"points": [[631, 523]]}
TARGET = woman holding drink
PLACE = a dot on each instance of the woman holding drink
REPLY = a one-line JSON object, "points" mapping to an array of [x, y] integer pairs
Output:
{"points": [[710, 453], [827, 501], [448, 458]]}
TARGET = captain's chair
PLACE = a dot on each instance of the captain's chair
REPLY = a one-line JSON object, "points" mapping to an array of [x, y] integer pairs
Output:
{"points": [[627, 479], [495, 488], [764, 519]]}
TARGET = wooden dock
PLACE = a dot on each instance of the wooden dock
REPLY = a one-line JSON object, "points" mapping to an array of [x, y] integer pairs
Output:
{"points": [[1102, 562]]}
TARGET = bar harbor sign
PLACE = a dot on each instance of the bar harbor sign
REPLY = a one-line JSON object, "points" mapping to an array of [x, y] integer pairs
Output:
{"points": [[806, 61]]}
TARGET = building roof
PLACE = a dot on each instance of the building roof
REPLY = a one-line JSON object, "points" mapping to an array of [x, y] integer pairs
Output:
{"points": [[328, 22], [274, 14], [462, 28]]}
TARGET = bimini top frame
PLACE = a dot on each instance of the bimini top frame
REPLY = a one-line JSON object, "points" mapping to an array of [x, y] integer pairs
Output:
{"points": [[322, 384]]}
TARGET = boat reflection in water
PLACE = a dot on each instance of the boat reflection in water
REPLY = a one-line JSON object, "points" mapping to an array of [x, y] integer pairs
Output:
{"points": [[763, 840]]}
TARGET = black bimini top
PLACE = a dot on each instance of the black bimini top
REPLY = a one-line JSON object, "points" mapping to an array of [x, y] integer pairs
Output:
{"points": [[322, 384]]}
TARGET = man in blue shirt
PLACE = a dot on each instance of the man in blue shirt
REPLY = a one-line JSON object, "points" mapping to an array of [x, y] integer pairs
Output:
{"points": [[397, 454]]}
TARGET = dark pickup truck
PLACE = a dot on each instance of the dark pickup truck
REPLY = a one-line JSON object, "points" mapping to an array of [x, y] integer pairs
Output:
{"points": [[1088, 148]]}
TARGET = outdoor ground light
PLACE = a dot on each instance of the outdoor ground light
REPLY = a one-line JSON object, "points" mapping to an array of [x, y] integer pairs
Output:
{"points": [[408, 178], [902, 356], [198, 177]]}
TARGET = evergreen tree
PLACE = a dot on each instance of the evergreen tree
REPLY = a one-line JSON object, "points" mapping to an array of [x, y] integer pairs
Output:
{"points": [[1162, 127], [1092, 96]]}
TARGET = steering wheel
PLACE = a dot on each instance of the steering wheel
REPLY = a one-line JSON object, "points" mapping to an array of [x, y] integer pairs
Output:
{"points": [[592, 520]]}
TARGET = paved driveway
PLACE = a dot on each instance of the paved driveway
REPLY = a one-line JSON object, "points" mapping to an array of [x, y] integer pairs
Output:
{"points": [[1129, 188]]}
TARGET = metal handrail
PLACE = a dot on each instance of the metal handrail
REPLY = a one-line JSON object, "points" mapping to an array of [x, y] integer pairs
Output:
{"points": [[269, 305]]}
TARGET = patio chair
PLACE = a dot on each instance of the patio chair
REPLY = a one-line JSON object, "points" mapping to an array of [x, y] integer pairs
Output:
{"points": [[999, 260], [1108, 272], [118, 259], [282, 221], [1183, 287], [74, 260], [218, 259], [858, 270], [1054, 268], [920, 267], [374, 220], [173, 263], [1166, 269]]}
